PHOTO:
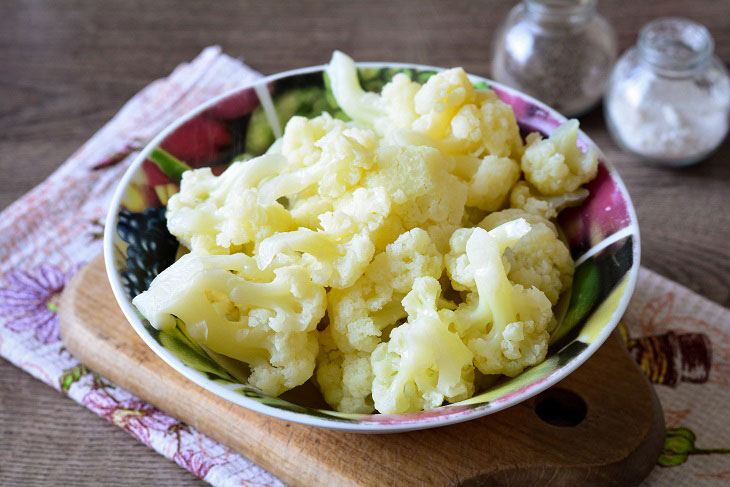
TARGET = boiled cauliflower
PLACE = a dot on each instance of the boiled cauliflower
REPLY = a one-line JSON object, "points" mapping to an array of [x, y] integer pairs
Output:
{"points": [[334, 163], [345, 379], [306, 208], [483, 125], [324, 258], [266, 319], [540, 258], [444, 97], [504, 325], [525, 197], [338, 254], [424, 362], [221, 214], [446, 110], [423, 192], [499, 128], [361, 106], [329, 262], [398, 101], [367, 211], [489, 180], [556, 165], [359, 314]]}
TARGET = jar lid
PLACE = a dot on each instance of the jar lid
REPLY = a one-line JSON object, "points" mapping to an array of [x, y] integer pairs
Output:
{"points": [[675, 43]]}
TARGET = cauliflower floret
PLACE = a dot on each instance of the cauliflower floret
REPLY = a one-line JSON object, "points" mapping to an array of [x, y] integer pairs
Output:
{"points": [[306, 208], [329, 262], [497, 218], [540, 258], [345, 379], [439, 100], [337, 255], [423, 363], [457, 263], [504, 325], [446, 111], [556, 165], [464, 120], [423, 192], [457, 260], [412, 255], [362, 106], [525, 197], [359, 314], [291, 363], [266, 319], [489, 180], [365, 210], [221, 214], [334, 163], [398, 101], [419, 183], [301, 137], [500, 132], [485, 127]]}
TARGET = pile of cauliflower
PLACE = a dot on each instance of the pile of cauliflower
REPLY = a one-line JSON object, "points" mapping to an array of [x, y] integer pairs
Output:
{"points": [[397, 259]]}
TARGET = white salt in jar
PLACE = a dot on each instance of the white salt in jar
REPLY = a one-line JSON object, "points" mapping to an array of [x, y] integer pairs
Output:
{"points": [[668, 98]]}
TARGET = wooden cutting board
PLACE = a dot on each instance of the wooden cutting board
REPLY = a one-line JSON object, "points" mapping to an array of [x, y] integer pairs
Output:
{"points": [[600, 426]]}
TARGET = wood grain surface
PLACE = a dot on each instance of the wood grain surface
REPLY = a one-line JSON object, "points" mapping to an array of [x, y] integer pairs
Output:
{"points": [[549, 439], [67, 66]]}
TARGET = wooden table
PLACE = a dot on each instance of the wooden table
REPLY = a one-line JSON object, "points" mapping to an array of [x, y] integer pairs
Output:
{"points": [[67, 66]]}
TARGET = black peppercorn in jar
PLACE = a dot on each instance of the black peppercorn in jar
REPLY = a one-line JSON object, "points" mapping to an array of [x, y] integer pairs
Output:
{"points": [[559, 51]]}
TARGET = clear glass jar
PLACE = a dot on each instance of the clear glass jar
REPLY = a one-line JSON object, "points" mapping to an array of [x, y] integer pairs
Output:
{"points": [[559, 51], [668, 99]]}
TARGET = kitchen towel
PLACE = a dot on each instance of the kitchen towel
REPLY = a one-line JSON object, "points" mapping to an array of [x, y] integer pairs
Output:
{"points": [[681, 340]]}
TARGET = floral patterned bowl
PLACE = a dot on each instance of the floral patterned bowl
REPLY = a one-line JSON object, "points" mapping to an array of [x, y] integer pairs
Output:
{"points": [[602, 233]]}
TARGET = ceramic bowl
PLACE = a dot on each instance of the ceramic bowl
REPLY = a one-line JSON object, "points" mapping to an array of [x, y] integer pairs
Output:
{"points": [[602, 233]]}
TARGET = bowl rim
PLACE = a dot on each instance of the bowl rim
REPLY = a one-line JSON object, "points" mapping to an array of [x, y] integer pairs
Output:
{"points": [[361, 426]]}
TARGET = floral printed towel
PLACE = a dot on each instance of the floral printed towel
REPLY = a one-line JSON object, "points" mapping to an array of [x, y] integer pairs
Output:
{"points": [[681, 340], [682, 343]]}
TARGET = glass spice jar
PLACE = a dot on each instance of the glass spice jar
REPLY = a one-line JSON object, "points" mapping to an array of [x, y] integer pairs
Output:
{"points": [[668, 98], [559, 51]]}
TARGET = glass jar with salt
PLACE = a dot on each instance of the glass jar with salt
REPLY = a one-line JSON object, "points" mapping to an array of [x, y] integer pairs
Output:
{"points": [[559, 51], [668, 99]]}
